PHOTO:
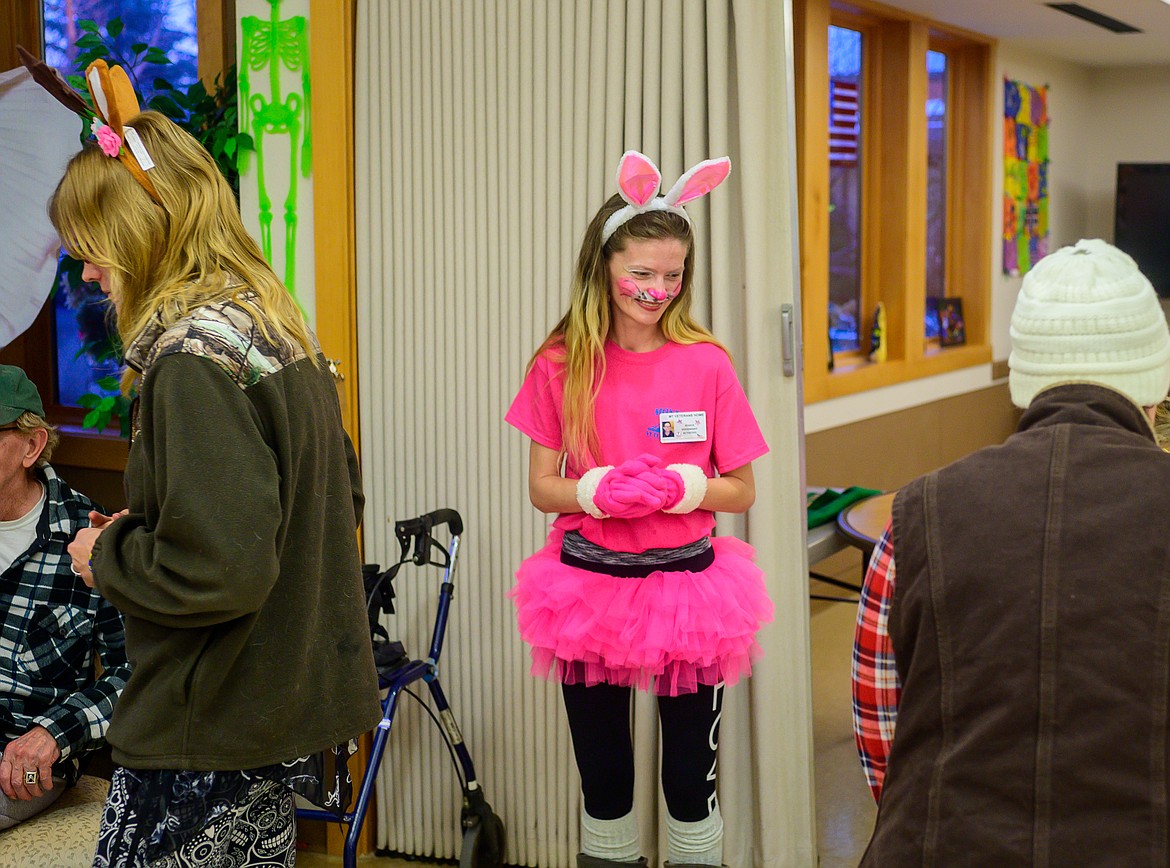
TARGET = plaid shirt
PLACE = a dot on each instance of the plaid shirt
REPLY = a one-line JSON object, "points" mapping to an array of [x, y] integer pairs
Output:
{"points": [[51, 626], [875, 677]]}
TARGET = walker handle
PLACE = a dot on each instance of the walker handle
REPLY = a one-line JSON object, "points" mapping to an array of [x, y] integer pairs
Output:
{"points": [[418, 530], [448, 517]]}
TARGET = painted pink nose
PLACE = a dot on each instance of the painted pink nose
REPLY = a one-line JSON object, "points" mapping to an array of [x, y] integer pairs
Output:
{"points": [[657, 294]]}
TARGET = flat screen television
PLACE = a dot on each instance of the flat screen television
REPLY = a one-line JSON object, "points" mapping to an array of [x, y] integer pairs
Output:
{"points": [[1141, 224]]}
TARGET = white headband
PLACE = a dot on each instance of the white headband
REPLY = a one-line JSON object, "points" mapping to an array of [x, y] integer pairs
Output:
{"points": [[638, 181]]}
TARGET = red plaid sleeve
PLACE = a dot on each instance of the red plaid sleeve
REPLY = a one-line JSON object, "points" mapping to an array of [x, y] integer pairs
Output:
{"points": [[875, 678]]}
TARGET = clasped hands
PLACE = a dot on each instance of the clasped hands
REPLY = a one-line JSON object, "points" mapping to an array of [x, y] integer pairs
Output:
{"points": [[639, 487]]}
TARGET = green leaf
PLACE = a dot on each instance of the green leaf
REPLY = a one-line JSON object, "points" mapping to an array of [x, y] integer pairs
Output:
{"points": [[77, 82], [156, 55], [89, 400], [91, 419], [167, 105], [88, 25], [90, 40], [139, 47], [244, 142], [114, 28], [110, 384], [106, 403], [88, 55]]}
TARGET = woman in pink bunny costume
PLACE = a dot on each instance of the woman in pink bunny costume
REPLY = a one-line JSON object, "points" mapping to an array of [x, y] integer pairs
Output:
{"points": [[632, 591]]}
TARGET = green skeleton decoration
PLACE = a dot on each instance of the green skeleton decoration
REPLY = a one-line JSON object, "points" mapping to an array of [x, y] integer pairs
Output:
{"points": [[270, 43]]}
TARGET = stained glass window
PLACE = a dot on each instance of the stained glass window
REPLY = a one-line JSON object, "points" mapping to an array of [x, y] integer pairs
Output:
{"points": [[936, 186], [845, 162]]}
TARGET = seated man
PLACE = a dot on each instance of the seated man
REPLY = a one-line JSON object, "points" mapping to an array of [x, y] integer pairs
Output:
{"points": [[1010, 673], [52, 709]]}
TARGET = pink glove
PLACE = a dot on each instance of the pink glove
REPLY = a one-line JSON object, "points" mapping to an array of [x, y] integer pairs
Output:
{"points": [[634, 489]]}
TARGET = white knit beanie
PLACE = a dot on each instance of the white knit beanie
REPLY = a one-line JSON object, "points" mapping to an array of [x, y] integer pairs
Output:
{"points": [[1086, 314]]}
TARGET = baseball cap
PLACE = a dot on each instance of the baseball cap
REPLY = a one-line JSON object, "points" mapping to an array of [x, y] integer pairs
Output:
{"points": [[17, 394]]}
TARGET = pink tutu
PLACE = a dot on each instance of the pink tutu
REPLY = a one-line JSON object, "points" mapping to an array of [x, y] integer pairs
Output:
{"points": [[672, 630]]}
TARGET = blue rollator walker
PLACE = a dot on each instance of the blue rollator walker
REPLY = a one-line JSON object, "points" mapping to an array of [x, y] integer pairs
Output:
{"points": [[483, 831]]}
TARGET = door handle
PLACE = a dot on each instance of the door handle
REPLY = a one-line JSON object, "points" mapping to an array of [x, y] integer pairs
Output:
{"points": [[788, 339]]}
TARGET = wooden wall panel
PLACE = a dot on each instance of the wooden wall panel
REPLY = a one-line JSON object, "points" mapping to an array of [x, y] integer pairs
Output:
{"points": [[888, 451]]}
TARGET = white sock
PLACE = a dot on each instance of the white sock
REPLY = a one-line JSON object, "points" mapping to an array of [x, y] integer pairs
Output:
{"points": [[698, 843], [615, 840]]}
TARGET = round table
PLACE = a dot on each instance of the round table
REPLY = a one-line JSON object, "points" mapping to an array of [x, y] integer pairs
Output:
{"points": [[862, 523]]}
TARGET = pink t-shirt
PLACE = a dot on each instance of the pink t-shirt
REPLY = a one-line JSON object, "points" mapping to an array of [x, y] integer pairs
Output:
{"points": [[637, 387]]}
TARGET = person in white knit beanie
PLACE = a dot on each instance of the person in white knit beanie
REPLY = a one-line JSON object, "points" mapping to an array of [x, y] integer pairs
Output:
{"points": [[1086, 314], [1012, 650]]}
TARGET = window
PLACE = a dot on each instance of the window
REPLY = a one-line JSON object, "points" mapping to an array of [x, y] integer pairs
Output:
{"points": [[165, 24], [936, 187], [894, 122], [82, 335], [35, 350], [845, 297], [81, 328]]}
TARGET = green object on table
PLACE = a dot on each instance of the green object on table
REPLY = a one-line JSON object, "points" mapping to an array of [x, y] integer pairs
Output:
{"points": [[824, 507]]}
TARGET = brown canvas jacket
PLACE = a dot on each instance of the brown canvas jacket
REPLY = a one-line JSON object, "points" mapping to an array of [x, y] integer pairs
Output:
{"points": [[1031, 631]]}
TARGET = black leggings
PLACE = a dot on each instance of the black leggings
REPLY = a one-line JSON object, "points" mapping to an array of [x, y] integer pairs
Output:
{"points": [[599, 719]]}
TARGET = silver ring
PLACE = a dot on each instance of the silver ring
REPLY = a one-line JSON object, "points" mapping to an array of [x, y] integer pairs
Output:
{"points": [[31, 776], [73, 570]]}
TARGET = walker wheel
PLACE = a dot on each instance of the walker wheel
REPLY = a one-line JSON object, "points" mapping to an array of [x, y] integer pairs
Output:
{"points": [[483, 847]]}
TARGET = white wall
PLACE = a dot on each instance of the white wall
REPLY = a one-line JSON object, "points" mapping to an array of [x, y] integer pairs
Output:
{"points": [[1100, 117], [1130, 124], [1070, 114]]}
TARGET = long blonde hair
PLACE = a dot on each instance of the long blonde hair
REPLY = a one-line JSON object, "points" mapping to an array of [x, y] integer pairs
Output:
{"points": [[172, 259], [578, 340]]}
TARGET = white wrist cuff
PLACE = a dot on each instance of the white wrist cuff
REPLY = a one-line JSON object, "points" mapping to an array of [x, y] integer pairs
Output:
{"points": [[587, 487], [694, 488]]}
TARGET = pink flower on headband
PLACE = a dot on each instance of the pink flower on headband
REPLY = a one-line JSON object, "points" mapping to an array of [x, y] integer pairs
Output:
{"points": [[108, 140]]}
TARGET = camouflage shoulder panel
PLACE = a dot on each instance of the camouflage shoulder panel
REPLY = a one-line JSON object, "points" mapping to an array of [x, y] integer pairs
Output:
{"points": [[227, 334]]}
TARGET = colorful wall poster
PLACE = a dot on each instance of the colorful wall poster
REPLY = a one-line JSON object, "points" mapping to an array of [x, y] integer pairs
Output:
{"points": [[1025, 176]]}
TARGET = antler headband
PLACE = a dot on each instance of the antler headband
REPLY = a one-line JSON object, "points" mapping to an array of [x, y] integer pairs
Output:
{"points": [[638, 181], [116, 105]]}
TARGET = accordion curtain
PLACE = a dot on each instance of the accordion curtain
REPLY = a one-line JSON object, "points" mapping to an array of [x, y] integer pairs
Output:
{"points": [[487, 134]]}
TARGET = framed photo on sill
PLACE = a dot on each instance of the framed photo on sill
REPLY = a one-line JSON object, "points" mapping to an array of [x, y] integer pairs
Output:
{"points": [[952, 328]]}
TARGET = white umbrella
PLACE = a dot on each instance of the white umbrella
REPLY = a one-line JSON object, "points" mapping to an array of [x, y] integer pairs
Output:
{"points": [[38, 135]]}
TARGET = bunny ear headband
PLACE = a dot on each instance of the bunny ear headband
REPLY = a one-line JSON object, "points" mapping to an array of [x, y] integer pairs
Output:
{"points": [[639, 180], [116, 105]]}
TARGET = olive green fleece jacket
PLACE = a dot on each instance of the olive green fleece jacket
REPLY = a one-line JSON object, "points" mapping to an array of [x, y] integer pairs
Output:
{"points": [[237, 567]]}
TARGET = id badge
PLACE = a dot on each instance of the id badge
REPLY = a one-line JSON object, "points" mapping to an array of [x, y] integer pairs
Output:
{"points": [[683, 427]]}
